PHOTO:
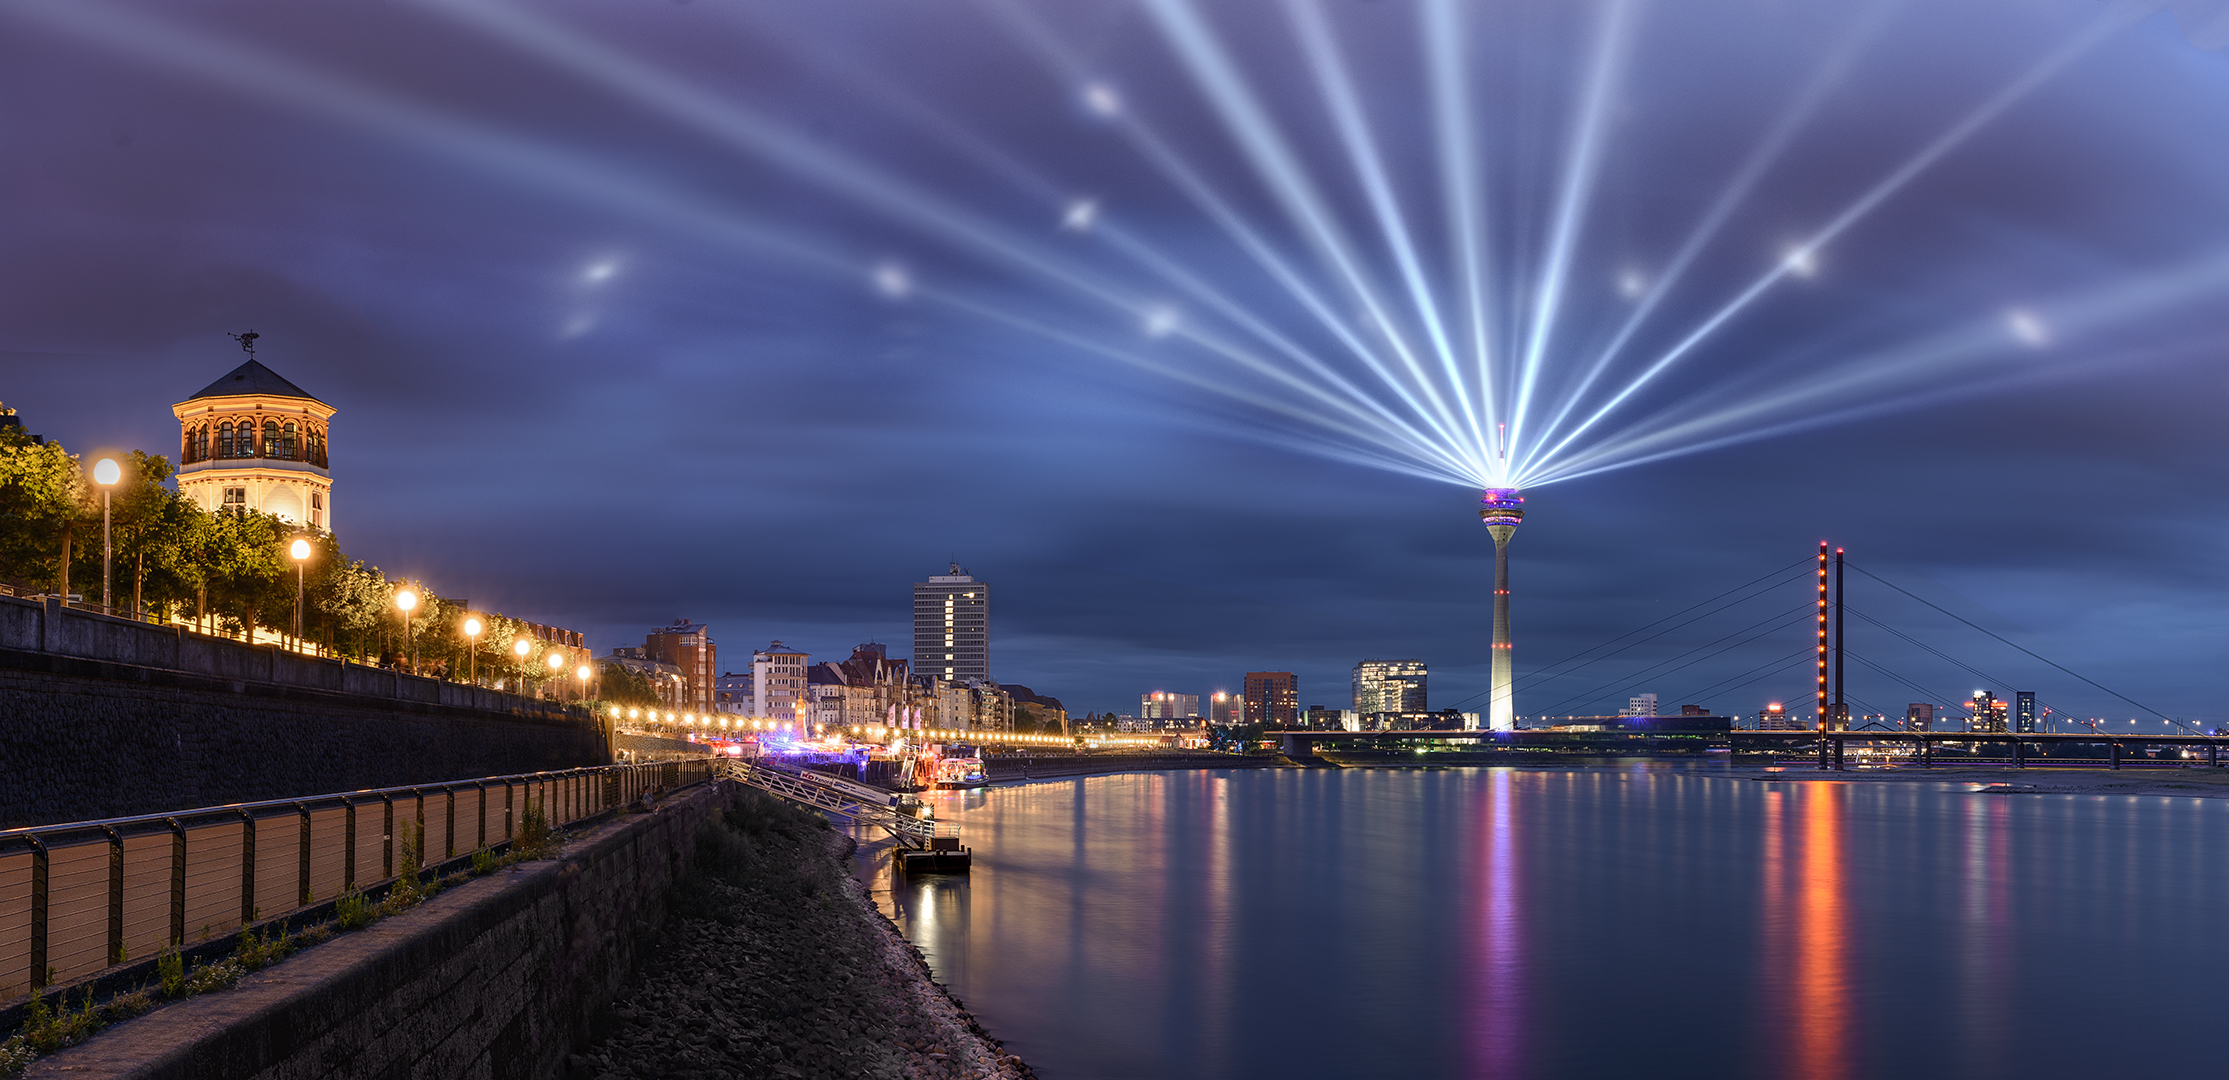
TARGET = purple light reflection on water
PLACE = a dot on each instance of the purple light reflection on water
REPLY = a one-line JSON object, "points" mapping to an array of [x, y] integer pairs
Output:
{"points": [[1632, 921]]}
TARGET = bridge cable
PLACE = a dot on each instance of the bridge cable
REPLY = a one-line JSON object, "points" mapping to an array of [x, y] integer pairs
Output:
{"points": [[1541, 673], [1539, 676], [1771, 667], [2001, 638], [1779, 622]]}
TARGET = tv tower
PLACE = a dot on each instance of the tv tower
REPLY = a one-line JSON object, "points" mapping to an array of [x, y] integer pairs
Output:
{"points": [[1503, 509]]}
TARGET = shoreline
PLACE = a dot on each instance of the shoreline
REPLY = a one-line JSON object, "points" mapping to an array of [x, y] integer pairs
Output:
{"points": [[775, 962]]}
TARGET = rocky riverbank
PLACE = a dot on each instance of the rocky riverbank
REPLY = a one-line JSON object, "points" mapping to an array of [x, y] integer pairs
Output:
{"points": [[774, 964]]}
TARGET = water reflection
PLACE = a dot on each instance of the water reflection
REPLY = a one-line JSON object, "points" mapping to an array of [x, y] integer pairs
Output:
{"points": [[1609, 922], [1496, 953]]}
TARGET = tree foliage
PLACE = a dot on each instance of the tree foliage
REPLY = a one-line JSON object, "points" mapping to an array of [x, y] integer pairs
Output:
{"points": [[229, 571]]}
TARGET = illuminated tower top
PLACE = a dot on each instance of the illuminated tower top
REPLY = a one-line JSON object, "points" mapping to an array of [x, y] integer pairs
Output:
{"points": [[1502, 507], [254, 441]]}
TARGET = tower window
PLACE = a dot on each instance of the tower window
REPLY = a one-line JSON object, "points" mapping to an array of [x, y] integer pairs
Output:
{"points": [[286, 443], [235, 498], [270, 438], [224, 440]]}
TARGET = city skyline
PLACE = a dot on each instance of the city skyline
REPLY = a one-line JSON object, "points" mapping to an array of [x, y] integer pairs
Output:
{"points": [[651, 425]]}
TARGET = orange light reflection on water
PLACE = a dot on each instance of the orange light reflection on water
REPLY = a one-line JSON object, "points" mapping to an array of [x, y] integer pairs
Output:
{"points": [[1821, 990]]}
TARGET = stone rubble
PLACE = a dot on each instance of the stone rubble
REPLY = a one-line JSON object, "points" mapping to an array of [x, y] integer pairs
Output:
{"points": [[775, 964]]}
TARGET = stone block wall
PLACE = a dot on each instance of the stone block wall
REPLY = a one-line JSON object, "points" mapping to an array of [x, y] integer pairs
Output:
{"points": [[82, 740], [501, 977]]}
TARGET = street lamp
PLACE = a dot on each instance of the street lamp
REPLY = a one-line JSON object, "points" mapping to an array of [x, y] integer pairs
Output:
{"points": [[582, 673], [300, 549], [105, 473], [472, 628], [522, 647], [557, 667], [406, 600]]}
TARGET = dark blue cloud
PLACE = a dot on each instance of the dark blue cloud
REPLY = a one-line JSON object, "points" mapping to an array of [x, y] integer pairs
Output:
{"points": [[717, 430]]}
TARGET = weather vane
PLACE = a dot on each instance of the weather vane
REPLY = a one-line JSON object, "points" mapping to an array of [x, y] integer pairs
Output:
{"points": [[247, 342]]}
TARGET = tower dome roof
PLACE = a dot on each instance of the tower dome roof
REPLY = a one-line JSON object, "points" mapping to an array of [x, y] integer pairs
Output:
{"points": [[253, 378]]}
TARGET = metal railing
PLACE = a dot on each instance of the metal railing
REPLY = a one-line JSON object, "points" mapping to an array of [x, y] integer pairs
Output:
{"points": [[835, 795], [77, 898]]}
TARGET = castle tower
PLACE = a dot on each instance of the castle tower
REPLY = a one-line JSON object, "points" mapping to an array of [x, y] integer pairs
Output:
{"points": [[254, 441]]}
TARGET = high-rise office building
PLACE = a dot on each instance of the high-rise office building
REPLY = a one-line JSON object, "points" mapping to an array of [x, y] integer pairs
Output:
{"points": [[688, 646], [952, 626], [1226, 708], [1640, 705], [1989, 713], [1389, 686], [2024, 711], [1919, 717], [1774, 717], [1272, 699], [1163, 705]]}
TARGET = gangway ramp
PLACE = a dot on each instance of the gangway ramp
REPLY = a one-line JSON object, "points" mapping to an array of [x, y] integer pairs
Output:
{"points": [[845, 798]]}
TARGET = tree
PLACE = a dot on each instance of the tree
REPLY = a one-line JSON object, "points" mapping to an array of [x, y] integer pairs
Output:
{"points": [[625, 686], [153, 529], [41, 495], [247, 575], [353, 598]]}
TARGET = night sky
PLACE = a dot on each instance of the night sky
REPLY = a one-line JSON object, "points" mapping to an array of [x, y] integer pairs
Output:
{"points": [[753, 313]]}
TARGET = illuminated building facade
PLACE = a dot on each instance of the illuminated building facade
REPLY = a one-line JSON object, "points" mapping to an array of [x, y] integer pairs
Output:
{"points": [[778, 684], [1162, 705], [1272, 699], [1989, 713], [1226, 709], [1389, 686], [254, 441], [2024, 711], [951, 627], [688, 647], [1774, 717], [1919, 717]]}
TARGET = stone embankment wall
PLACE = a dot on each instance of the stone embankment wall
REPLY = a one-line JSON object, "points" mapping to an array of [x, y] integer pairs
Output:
{"points": [[501, 977], [103, 717]]}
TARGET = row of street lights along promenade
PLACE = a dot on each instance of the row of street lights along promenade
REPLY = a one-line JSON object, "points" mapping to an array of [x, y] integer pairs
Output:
{"points": [[709, 723], [107, 472]]}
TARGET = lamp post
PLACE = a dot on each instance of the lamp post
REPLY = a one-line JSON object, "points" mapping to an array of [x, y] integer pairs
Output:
{"points": [[582, 673], [105, 473], [300, 549], [556, 662], [521, 647], [406, 600], [472, 630]]}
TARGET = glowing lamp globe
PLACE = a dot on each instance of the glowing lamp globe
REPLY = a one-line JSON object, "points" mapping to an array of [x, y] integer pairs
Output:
{"points": [[300, 549], [106, 472]]}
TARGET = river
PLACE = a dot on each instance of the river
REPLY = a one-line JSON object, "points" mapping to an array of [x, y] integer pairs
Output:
{"points": [[1617, 921]]}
